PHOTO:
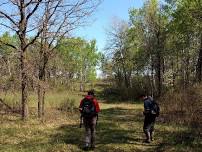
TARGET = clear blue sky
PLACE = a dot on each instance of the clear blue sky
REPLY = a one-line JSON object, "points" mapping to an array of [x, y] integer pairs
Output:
{"points": [[105, 12]]}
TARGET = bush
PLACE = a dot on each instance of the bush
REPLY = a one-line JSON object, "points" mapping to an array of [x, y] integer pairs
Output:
{"points": [[67, 105], [184, 107]]}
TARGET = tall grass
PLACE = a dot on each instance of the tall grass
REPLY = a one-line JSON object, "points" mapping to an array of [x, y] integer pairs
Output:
{"points": [[62, 100], [184, 108]]}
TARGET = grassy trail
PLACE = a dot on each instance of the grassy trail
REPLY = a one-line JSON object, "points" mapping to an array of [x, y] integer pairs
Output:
{"points": [[119, 130]]}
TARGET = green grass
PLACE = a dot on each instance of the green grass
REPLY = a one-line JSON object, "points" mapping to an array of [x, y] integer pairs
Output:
{"points": [[119, 130]]}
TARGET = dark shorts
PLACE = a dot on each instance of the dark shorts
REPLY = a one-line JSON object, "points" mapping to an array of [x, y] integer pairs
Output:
{"points": [[149, 122]]}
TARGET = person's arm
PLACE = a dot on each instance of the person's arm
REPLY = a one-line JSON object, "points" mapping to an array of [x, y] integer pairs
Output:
{"points": [[80, 109]]}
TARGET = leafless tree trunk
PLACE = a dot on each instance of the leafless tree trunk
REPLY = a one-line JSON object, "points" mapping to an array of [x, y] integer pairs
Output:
{"points": [[17, 20], [23, 48], [72, 15], [199, 63]]}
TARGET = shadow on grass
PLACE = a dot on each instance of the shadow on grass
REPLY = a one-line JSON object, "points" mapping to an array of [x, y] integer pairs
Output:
{"points": [[120, 130], [115, 98], [108, 131], [122, 115], [110, 98], [178, 141]]}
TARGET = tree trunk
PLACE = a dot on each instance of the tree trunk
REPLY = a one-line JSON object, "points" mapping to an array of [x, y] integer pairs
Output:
{"points": [[24, 87], [187, 69], [199, 63], [158, 75], [42, 67], [152, 78], [158, 68], [39, 101], [42, 80], [126, 75], [173, 74], [9, 67], [81, 81]]}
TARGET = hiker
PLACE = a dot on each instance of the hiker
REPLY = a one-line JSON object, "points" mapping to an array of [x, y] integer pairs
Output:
{"points": [[89, 109], [151, 111]]}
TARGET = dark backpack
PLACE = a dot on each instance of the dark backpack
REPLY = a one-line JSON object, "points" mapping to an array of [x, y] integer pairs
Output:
{"points": [[155, 108], [88, 108]]}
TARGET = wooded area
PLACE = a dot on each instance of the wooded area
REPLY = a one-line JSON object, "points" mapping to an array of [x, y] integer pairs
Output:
{"points": [[43, 66], [158, 50], [38, 31]]}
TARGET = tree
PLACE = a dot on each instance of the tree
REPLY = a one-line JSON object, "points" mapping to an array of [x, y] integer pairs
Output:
{"points": [[72, 15], [39, 19], [120, 52], [80, 59], [150, 22], [185, 32], [20, 20]]}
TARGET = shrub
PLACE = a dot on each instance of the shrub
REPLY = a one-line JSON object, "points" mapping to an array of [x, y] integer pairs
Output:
{"points": [[184, 107], [67, 105]]}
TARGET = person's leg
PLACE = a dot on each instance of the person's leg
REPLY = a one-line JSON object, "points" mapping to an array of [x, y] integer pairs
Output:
{"points": [[146, 129], [152, 128], [152, 135], [87, 134], [93, 126]]}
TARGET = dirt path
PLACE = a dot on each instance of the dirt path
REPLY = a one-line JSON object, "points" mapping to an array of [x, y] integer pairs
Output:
{"points": [[119, 130]]}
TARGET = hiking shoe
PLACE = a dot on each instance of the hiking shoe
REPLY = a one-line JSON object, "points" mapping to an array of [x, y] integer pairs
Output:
{"points": [[147, 141], [152, 135], [92, 147], [86, 148]]}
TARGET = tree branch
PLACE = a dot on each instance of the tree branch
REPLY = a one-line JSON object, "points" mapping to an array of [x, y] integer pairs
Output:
{"points": [[34, 9], [34, 39], [9, 107], [7, 44], [4, 15], [1, 24]]}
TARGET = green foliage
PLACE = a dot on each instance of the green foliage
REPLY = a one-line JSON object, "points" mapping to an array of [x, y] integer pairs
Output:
{"points": [[6, 38], [79, 58], [162, 43]]}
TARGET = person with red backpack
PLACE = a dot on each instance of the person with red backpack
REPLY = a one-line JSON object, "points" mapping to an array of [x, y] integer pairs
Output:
{"points": [[89, 109]]}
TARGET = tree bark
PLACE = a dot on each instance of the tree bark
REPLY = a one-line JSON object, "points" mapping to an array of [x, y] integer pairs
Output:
{"points": [[158, 75], [24, 89], [22, 36], [81, 81], [158, 67], [152, 78], [199, 63], [41, 83]]}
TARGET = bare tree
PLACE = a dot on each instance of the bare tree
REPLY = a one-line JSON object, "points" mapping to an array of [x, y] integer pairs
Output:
{"points": [[44, 19], [120, 49], [61, 17], [17, 16]]}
